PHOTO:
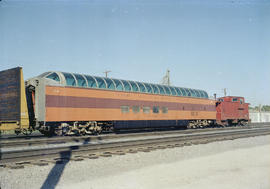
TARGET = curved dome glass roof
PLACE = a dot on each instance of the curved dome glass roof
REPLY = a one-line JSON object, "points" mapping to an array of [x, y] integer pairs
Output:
{"points": [[87, 81]]}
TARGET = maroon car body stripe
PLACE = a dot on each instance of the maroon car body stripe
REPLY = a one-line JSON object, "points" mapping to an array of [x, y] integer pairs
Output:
{"points": [[87, 102]]}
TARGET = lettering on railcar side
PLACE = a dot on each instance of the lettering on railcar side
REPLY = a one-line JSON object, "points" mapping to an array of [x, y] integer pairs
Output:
{"points": [[194, 113]]}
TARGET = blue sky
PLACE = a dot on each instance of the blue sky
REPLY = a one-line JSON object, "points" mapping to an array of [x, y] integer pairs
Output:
{"points": [[208, 45]]}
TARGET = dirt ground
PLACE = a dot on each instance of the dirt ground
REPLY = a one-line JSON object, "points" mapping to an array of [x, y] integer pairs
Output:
{"points": [[237, 164]]}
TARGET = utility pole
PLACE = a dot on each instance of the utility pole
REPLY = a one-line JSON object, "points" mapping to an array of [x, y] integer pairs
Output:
{"points": [[215, 96], [166, 78], [106, 72], [225, 92]]}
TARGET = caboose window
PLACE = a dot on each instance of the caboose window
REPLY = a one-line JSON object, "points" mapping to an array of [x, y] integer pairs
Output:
{"points": [[155, 109], [53, 76], [235, 99], [241, 101], [70, 81]]}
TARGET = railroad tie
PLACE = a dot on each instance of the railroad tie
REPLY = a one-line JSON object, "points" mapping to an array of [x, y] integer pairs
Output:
{"points": [[93, 156], [106, 154], [118, 152], [15, 166], [132, 151]]}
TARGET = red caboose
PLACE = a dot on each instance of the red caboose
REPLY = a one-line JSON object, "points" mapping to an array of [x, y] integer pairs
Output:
{"points": [[232, 110]]}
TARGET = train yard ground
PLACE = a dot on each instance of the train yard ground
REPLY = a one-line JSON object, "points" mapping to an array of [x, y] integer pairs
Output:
{"points": [[202, 159]]}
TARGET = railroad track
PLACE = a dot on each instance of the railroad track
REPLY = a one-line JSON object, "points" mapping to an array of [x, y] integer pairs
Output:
{"points": [[41, 140], [93, 150]]}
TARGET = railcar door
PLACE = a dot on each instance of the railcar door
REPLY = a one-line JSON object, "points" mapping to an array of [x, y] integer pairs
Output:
{"points": [[241, 108]]}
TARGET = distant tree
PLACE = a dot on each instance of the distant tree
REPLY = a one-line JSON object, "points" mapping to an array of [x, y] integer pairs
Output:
{"points": [[266, 108], [256, 108]]}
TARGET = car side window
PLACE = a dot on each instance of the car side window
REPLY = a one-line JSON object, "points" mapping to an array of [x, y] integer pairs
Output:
{"points": [[155, 109], [125, 109]]}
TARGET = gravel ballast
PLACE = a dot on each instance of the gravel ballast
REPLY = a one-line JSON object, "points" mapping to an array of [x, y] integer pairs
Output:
{"points": [[241, 163]]}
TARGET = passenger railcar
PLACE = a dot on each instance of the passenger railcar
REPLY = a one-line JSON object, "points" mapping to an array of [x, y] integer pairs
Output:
{"points": [[68, 102]]}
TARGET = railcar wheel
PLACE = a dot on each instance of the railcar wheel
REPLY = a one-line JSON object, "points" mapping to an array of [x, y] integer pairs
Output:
{"points": [[243, 123], [58, 132], [99, 132], [27, 132], [96, 132], [17, 132], [65, 130]]}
